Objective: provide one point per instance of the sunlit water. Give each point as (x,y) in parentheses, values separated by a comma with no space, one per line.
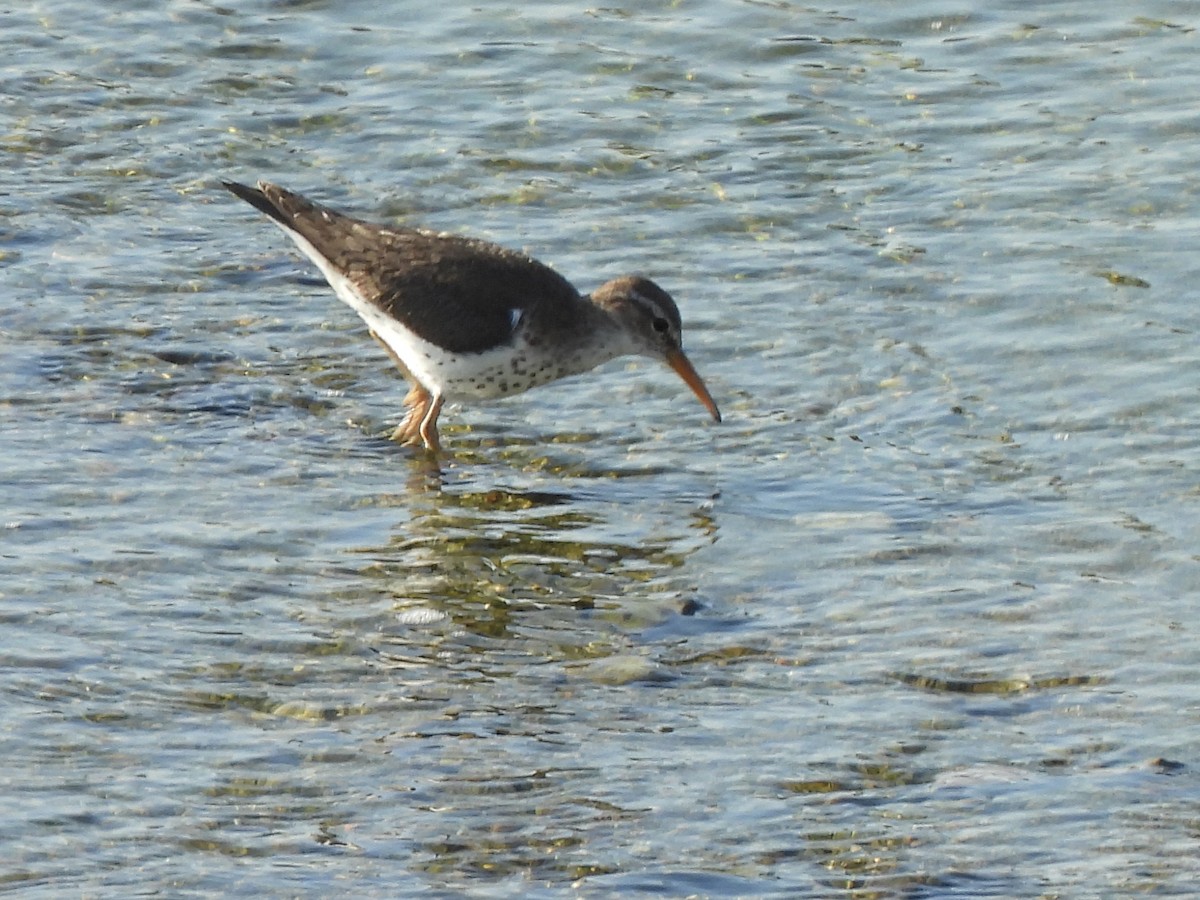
(916,620)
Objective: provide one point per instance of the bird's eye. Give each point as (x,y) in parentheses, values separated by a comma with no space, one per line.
(662,326)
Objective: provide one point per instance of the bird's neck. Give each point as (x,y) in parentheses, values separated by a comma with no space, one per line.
(595,337)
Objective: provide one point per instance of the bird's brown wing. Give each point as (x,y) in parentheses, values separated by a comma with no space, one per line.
(465,295)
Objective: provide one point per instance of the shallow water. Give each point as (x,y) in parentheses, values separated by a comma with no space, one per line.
(915,620)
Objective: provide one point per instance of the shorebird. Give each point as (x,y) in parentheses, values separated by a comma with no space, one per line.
(465,318)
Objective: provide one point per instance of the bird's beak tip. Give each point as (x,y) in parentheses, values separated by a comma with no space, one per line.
(683,367)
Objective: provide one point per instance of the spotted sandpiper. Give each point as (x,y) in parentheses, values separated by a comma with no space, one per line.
(465,318)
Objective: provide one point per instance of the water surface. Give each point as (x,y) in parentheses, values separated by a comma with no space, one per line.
(915,620)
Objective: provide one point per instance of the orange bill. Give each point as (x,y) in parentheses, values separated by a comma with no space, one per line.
(683,366)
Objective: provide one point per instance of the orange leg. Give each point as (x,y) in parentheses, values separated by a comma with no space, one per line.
(429,432)
(419,425)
